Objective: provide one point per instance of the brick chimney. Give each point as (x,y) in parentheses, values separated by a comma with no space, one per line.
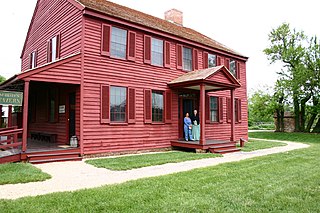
(175,16)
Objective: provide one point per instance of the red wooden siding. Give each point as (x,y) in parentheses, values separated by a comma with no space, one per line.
(99,138)
(68,72)
(50,19)
(220,77)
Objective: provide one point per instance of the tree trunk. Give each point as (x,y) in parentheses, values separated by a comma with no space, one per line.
(314,114)
(296,106)
(311,121)
(278,126)
(316,129)
(282,119)
(303,113)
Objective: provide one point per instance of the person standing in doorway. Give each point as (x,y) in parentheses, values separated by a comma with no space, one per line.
(187,127)
(195,125)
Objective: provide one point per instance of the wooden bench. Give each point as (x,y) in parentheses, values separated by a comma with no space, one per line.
(43,137)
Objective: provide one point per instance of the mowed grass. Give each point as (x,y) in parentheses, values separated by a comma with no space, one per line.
(283,182)
(253,145)
(138,161)
(294,136)
(20,173)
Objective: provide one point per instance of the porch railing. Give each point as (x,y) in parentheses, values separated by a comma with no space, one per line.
(9,138)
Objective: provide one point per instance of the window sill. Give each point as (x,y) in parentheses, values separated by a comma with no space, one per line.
(156,65)
(118,124)
(158,123)
(114,57)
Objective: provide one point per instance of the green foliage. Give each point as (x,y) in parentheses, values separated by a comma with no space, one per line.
(260,107)
(20,173)
(2,79)
(283,182)
(298,84)
(138,161)
(286,136)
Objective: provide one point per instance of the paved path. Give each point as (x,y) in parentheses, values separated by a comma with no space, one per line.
(70,176)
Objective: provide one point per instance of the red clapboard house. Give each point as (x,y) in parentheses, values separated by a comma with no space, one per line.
(121,81)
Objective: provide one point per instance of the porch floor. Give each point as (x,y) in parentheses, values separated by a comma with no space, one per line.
(43,146)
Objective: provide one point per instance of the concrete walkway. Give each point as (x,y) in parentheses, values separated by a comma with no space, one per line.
(71,176)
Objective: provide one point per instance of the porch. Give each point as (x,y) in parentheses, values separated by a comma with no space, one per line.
(43,133)
(193,89)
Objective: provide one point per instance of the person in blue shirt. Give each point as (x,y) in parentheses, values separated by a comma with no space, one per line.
(187,127)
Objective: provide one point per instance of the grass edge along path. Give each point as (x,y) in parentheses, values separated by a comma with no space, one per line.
(12,173)
(253,145)
(138,161)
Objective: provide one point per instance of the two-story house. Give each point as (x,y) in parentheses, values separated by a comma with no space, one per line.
(121,80)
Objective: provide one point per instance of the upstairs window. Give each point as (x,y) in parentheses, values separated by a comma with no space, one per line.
(187,59)
(118,104)
(118,42)
(212,60)
(53,49)
(33,60)
(232,67)
(156,52)
(157,106)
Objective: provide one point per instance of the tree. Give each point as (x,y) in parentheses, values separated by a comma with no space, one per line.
(260,107)
(2,79)
(287,47)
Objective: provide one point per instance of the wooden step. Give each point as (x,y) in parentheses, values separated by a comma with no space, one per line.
(222,146)
(52,154)
(224,151)
(55,160)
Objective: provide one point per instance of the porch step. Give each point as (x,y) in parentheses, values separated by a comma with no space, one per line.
(224,150)
(55,160)
(56,156)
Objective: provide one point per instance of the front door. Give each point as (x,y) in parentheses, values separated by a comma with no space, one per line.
(72,114)
(187,104)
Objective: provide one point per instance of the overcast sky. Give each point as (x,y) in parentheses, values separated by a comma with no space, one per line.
(242,25)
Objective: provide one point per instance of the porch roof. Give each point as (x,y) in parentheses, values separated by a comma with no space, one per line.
(16,82)
(215,78)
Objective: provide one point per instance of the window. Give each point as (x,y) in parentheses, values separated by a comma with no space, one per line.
(53,51)
(118,42)
(118,104)
(187,59)
(156,52)
(33,60)
(214,115)
(54,48)
(53,106)
(212,60)
(157,106)
(232,67)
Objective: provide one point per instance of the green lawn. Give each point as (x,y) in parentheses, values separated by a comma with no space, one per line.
(283,182)
(253,145)
(298,137)
(138,161)
(20,173)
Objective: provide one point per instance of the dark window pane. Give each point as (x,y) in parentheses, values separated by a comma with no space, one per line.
(214,109)
(118,42)
(211,60)
(233,67)
(187,59)
(157,52)
(157,106)
(118,102)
